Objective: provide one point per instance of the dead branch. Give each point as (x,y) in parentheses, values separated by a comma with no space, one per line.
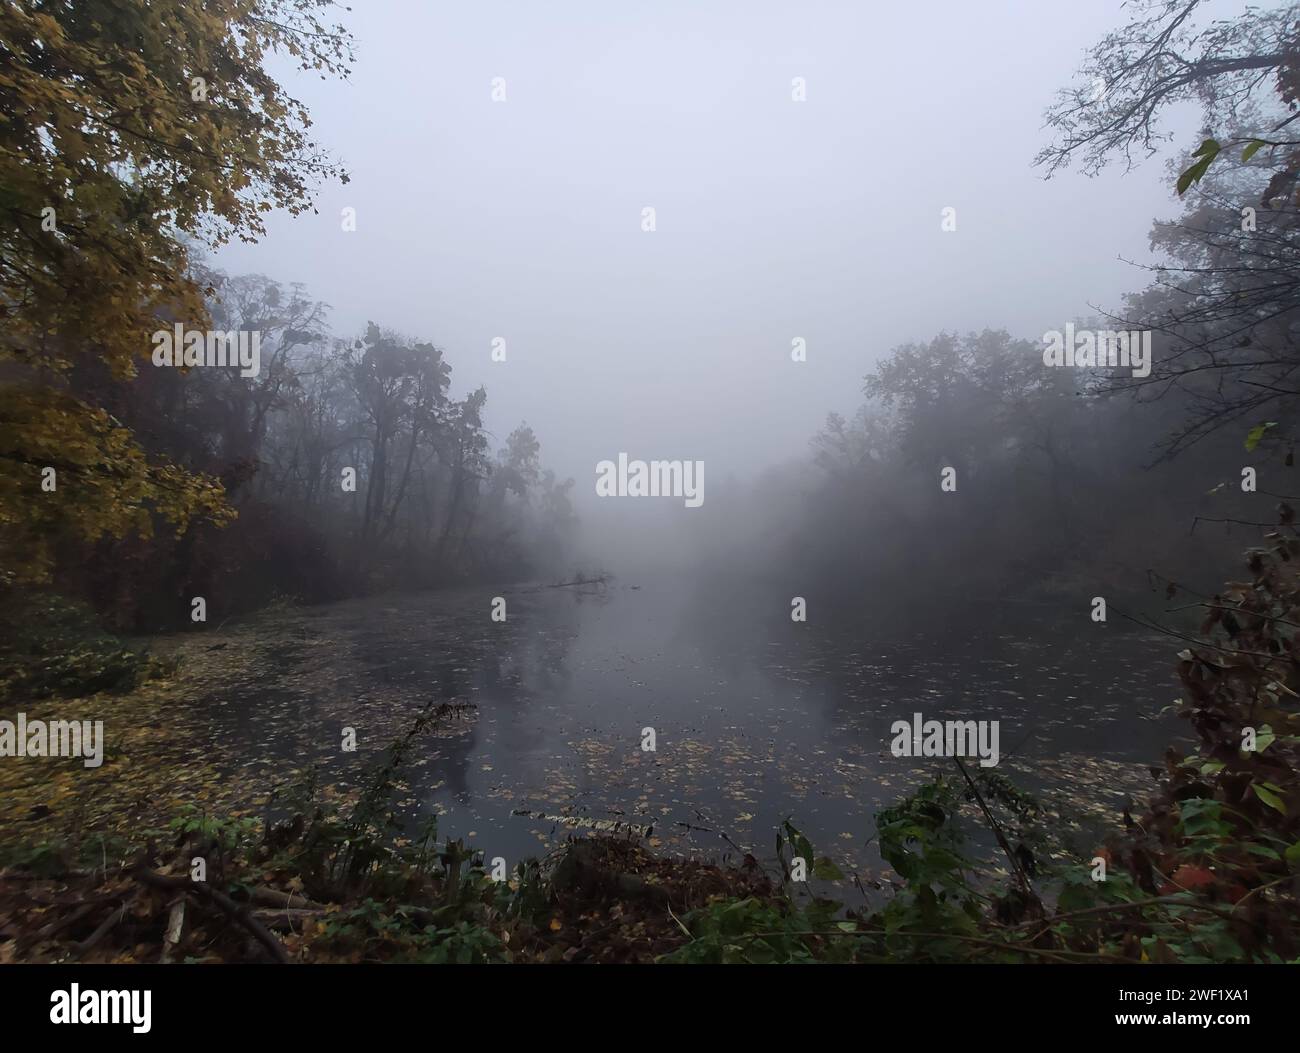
(289,919)
(175,926)
(105,927)
(233,910)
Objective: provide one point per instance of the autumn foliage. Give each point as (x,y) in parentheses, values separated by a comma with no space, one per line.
(128,132)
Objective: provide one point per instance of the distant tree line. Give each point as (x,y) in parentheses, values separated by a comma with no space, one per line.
(347,464)
(1070,481)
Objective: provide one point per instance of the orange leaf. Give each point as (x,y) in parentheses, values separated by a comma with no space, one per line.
(1193,877)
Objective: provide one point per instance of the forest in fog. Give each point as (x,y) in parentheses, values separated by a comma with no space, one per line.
(1070,479)
(626,486)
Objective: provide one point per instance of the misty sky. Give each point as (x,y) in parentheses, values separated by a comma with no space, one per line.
(775,219)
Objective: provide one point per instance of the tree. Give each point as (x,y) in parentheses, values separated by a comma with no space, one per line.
(288,322)
(465,451)
(1225,309)
(1163,56)
(126,130)
(1225,303)
(402,389)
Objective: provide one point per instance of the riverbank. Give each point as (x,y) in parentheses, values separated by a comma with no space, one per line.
(753,723)
(234,754)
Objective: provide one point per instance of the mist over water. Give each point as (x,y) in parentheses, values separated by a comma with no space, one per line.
(775,220)
(757,719)
(497,472)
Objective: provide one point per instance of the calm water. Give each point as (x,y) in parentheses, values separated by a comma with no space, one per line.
(756,718)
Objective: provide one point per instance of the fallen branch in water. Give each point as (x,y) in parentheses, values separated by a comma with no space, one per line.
(612,826)
(581,581)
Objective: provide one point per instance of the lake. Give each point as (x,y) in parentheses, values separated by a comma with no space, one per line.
(755,718)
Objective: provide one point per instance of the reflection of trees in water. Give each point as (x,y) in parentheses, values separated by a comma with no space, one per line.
(593,593)
(450,679)
(451,765)
(550,659)
(533,659)
(841,671)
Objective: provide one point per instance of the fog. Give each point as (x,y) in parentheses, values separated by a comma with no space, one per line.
(674,481)
(775,219)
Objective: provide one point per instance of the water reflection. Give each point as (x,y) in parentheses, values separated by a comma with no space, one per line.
(756,717)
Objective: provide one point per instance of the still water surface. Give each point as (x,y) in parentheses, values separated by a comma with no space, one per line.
(756,718)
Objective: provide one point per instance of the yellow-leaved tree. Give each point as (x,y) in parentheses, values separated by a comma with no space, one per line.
(129,129)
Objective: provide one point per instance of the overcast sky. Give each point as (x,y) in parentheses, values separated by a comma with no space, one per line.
(775,219)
